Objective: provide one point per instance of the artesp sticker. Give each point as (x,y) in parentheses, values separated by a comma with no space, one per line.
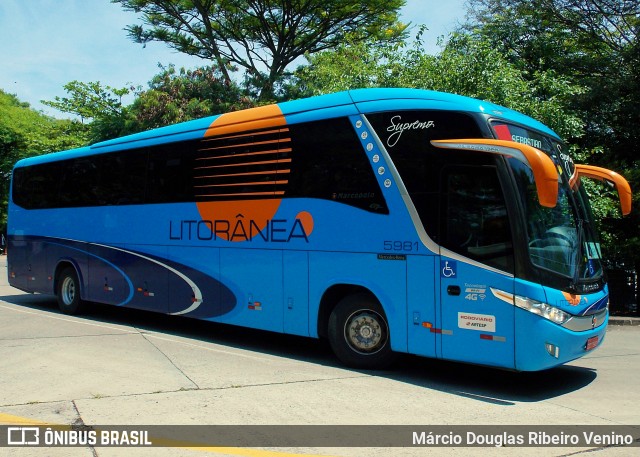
(480,322)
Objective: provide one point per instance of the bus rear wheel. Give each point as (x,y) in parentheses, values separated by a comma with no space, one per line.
(68,292)
(359,333)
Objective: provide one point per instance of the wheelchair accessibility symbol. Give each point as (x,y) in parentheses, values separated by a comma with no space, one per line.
(448,268)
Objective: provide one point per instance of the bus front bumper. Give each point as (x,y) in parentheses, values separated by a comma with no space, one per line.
(542,344)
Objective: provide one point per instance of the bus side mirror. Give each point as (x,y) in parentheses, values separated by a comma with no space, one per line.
(613,179)
(544,170)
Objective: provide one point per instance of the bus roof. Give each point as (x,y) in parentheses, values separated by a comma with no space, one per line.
(331,105)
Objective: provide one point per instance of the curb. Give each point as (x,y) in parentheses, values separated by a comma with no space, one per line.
(621,320)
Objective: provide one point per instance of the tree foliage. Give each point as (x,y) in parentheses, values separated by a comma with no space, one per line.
(572,64)
(25,133)
(90,100)
(466,66)
(180,95)
(549,77)
(592,44)
(263,37)
(173,96)
(100,106)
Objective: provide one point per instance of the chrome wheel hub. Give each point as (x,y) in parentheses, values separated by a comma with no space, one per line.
(364,332)
(68,291)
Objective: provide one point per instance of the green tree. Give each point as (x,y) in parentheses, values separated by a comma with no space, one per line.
(467,66)
(263,37)
(101,107)
(25,133)
(473,65)
(180,95)
(173,96)
(90,101)
(592,44)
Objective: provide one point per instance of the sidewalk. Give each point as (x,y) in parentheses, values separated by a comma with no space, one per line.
(624,320)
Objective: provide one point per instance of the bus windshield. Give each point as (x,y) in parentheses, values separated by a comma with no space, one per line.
(561,239)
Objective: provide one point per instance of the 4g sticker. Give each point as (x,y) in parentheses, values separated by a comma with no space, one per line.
(475,292)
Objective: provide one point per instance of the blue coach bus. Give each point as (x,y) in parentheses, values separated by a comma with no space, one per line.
(386,220)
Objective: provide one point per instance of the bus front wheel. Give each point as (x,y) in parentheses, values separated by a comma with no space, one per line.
(68,292)
(359,333)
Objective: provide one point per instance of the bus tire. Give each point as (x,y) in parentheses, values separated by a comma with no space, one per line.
(359,334)
(68,292)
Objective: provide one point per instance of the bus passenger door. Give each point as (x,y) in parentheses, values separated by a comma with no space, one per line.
(475,265)
(421,300)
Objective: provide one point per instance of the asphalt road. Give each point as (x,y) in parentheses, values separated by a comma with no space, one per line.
(128,367)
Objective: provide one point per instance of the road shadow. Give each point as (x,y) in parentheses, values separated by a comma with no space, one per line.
(484,384)
(492,385)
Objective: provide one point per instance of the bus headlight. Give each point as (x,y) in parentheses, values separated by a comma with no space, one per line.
(549,312)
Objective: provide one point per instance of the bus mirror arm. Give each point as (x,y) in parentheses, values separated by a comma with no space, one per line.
(609,177)
(544,170)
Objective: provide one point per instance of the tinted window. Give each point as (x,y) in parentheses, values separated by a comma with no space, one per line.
(37,187)
(315,160)
(170,173)
(510,132)
(122,178)
(407,135)
(328,162)
(474,220)
(79,183)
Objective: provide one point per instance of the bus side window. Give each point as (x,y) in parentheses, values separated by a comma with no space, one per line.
(122,178)
(37,187)
(329,163)
(78,183)
(474,220)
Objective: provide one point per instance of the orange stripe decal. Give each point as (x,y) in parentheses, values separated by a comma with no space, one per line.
(252,134)
(277,192)
(266,162)
(268,172)
(255,183)
(228,156)
(240,145)
(252,211)
(262,117)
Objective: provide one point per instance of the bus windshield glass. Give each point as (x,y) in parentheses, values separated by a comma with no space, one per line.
(561,239)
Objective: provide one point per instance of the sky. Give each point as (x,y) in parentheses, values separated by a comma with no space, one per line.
(45,44)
